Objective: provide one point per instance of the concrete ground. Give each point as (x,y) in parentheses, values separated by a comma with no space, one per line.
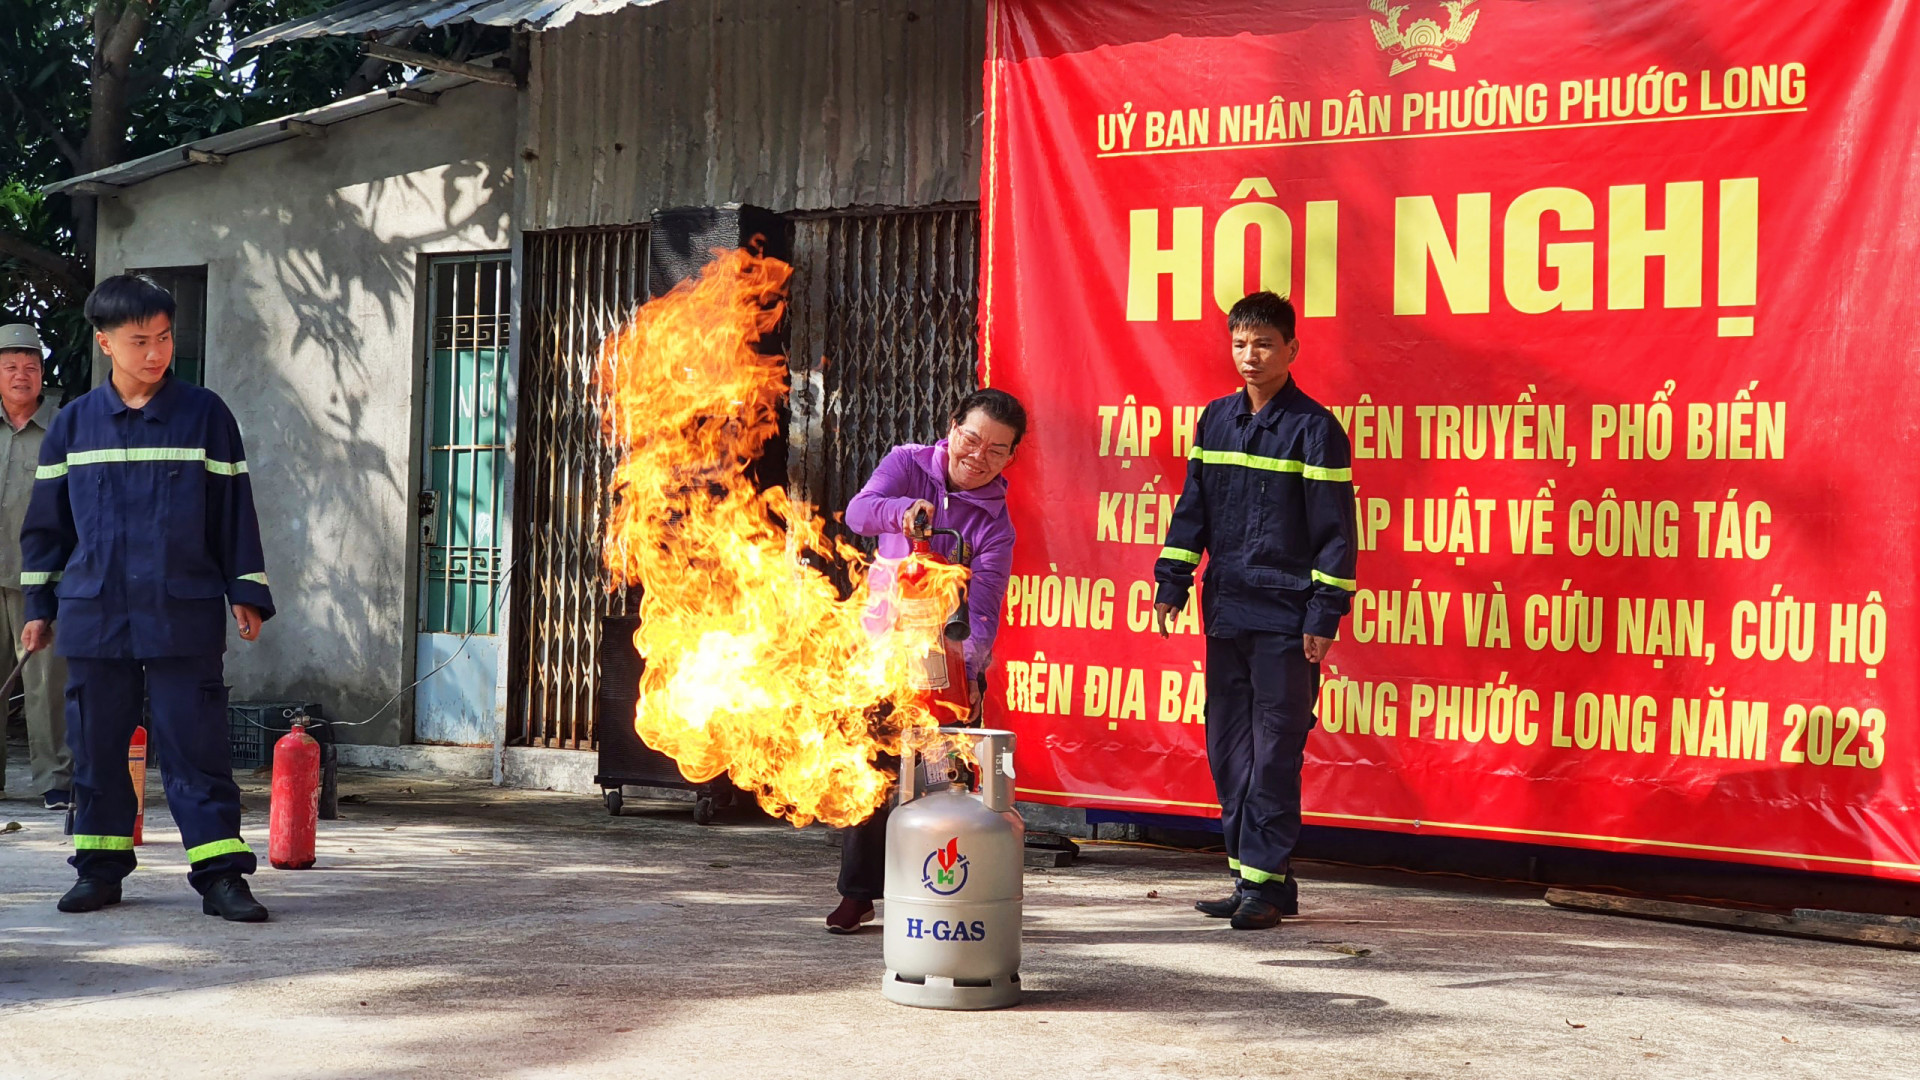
(457,930)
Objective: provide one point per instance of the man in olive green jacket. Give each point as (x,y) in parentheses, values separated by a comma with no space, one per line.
(28,414)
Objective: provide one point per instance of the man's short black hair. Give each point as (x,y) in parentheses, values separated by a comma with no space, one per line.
(999,406)
(1262,309)
(127,298)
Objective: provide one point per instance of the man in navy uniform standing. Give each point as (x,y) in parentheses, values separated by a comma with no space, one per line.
(1269,502)
(139,541)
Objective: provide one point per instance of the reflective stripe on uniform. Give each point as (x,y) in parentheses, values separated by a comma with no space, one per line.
(102,843)
(1337,582)
(1233,863)
(1260,877)
(257,579)
(142,453)
(1182,554)
(39,577)
(1269,464)
(236,846)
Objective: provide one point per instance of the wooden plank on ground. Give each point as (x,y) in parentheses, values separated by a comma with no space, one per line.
(1890,931)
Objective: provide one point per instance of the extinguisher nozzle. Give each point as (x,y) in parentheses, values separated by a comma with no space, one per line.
(959,624)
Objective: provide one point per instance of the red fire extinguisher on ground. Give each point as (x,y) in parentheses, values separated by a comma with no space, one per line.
(294,812)
(137,771)
(945,665)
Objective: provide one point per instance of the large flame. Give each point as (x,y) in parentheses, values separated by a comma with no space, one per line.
(755,665)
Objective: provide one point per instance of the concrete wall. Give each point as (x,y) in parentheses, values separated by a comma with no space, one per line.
(314,249)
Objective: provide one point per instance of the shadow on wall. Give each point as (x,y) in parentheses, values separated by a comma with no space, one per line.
(320,354)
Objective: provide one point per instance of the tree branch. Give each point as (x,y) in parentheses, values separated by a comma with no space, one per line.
(216,11)
(118,35)
(64,271)
(163,51)
(370,72)
(47,127)
(468,40)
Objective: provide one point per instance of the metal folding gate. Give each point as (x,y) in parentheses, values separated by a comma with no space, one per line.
(884,340)
(883,345)
(580,285)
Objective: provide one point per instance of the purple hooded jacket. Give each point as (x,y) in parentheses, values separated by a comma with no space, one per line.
(909,474)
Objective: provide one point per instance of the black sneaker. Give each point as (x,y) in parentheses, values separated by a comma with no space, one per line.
(1255,914)
(1222,908)
(57,799)
(89,894)
(229,898)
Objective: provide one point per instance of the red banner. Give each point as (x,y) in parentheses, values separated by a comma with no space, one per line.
(1617,301)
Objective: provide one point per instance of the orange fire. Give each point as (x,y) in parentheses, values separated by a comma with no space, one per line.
(755,665)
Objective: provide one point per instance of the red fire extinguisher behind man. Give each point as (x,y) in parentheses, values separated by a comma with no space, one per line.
(137,771)
(294,814)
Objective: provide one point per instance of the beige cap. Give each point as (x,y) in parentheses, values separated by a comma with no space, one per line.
(21,336)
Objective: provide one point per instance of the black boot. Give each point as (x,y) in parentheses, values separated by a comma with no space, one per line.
(1289,902)
(1255,914)
(1221,908)
(229,898)
(90,894)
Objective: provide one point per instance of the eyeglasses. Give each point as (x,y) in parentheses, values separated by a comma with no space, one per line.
(970,443)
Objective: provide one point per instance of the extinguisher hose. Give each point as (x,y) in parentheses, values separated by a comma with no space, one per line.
(13,679)
(312,722)
(959,625)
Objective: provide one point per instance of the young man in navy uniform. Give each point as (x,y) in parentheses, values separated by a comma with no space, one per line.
(139,541)
(1269,501)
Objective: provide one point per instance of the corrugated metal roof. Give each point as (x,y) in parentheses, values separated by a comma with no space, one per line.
(128,173)
(813,105)
(381,16)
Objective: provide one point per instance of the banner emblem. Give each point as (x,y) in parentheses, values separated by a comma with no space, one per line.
(1423,39)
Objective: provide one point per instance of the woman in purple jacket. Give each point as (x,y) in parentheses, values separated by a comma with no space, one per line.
(956,482)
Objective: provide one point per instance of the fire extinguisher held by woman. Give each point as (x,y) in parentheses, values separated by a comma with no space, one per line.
(945,495)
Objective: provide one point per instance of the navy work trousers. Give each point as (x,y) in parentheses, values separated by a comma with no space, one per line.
(863,854)
(863,858)
(1260,698)
(189,737)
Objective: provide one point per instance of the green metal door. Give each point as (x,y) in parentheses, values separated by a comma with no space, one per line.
(462,516)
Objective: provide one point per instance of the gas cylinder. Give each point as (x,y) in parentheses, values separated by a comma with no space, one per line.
(137,772)
(294,813)
(955,860)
